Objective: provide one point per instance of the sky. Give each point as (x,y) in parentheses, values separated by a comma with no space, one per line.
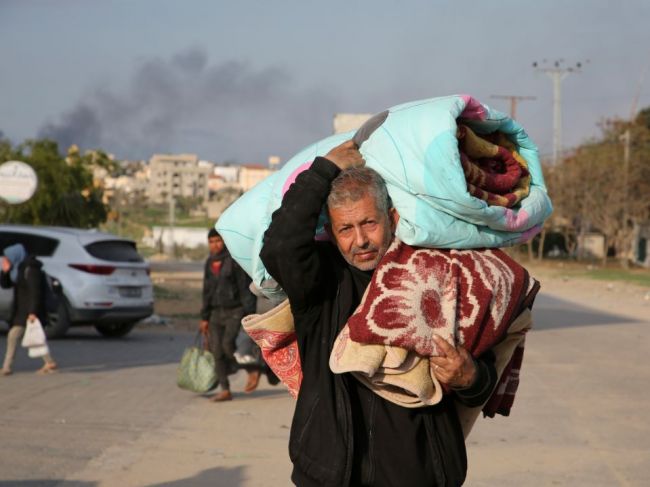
(239,81)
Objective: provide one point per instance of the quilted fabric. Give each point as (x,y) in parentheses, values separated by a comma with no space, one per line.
(416,150)
(495,172)
(465,296)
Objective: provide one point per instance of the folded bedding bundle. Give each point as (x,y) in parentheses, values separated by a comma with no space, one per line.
(462,176)
(495,171)
(473,298)
(447,195)
(480,299)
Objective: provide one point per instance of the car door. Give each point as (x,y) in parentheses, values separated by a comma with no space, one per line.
(38,245)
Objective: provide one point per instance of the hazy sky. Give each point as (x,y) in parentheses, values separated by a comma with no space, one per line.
(241,80)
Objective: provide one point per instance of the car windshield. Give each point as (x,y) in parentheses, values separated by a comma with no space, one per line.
(114,250)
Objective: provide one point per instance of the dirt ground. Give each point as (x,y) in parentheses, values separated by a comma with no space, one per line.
(177,300)
(630,298)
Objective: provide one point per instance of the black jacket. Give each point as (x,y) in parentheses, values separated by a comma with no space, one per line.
(342,434)
(28,291)
(228,289)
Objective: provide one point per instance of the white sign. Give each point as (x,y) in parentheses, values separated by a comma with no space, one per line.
(18,182)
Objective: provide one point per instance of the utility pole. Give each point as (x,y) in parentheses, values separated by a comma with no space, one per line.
(514,99)
(626,138)
(557,73)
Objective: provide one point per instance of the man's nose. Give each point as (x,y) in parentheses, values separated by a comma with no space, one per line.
(360,238)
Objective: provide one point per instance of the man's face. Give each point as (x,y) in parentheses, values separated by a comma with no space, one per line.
(216,245)
(361,232)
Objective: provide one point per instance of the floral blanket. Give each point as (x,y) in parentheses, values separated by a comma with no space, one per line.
(469,297)
(480,299)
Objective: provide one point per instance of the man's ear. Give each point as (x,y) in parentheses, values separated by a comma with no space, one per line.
(393,215)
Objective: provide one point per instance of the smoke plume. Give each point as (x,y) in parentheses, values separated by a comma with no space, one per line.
(229,111)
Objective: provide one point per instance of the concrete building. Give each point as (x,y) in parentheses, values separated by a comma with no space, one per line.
(229,174)
(344,122)
(251,174)
(179,175)
(591,245)
(135,184)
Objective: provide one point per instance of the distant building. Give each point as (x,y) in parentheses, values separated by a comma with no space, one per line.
(127,185)
(591,245)
(345,122)
(228,174)
(251,174)
(215,183)
(177,175)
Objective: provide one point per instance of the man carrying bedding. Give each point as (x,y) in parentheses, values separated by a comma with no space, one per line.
(343,434)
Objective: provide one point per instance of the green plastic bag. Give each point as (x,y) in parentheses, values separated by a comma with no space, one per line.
(196,371)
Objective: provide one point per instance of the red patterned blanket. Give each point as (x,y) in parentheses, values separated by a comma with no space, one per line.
(478,298)
(469,297)
(465,296)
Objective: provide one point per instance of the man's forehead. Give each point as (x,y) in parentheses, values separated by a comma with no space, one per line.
(355,210)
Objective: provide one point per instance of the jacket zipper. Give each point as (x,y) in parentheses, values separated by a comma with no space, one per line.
(371,450)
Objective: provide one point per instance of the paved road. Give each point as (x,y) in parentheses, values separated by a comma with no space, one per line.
(108,392)
(113,417)
(162,266)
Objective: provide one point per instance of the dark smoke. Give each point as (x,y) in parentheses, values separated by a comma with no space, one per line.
(184,104)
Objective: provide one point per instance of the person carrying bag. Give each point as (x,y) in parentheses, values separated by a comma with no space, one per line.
(23,273)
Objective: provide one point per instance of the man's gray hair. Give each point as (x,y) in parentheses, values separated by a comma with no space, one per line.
(354,184)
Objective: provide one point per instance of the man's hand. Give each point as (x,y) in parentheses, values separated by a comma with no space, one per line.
(455,366)
(6,265)
(203,326)
(346,155)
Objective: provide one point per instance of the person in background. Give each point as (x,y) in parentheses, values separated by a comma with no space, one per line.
(23,273)
(226,300)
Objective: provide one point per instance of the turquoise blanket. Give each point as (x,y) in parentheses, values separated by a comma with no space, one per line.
(414,147)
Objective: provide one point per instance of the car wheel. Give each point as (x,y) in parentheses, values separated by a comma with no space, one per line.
(116,330)
(58,322)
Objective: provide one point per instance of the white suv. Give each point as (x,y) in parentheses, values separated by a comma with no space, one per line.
(93,278)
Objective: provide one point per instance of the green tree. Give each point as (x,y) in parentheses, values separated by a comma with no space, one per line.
(595,189)
(65,194)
